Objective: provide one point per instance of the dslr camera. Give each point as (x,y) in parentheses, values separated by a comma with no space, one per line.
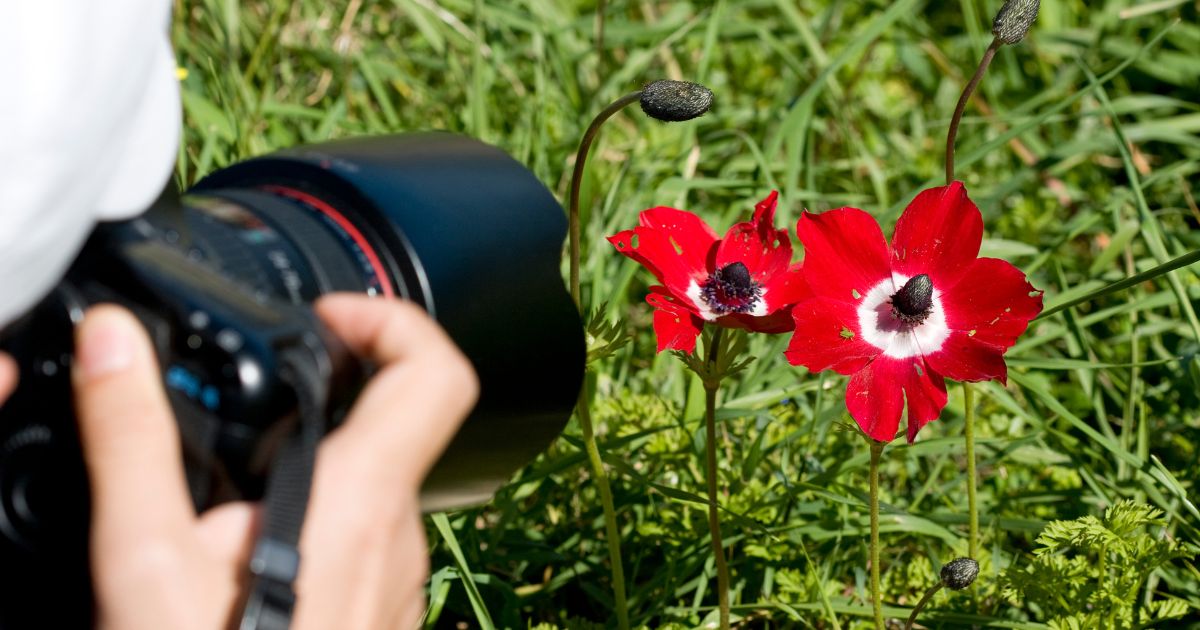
(223,276)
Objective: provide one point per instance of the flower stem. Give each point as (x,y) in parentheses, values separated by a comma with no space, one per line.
(921,604)
(612,535)
(710,457)
(876,598)
(962,105)
(969,437)
(581,156)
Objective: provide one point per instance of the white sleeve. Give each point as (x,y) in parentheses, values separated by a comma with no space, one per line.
(89,128)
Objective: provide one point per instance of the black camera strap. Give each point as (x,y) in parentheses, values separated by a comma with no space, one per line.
(276,559)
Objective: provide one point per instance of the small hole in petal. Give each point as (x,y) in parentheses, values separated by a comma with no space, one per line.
(856,294)
(847,333)
(971,333)
(633,242)
(675,244)
(918,368)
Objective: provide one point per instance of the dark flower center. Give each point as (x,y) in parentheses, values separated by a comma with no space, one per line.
(731,290)
(913,302)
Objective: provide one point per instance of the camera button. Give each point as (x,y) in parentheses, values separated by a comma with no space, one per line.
(229,340)
(198,320)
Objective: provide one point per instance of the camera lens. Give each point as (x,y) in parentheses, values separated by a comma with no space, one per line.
(450,223)
(279,243)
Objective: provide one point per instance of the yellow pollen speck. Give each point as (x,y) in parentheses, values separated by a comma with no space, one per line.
(971,333)
(181,73)
(675,244)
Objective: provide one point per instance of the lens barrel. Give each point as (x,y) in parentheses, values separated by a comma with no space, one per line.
(467,232)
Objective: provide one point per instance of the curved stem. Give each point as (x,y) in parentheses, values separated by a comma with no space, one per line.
(876,598)
(584,413)
(962,105)
(581,156)
(710,458)
(612,534)
(969,437)
(921,605)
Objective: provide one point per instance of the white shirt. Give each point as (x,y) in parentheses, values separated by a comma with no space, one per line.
(89,128)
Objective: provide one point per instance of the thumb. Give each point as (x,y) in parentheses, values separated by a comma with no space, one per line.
(130,442)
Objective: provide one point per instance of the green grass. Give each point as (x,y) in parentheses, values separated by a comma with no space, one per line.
(1083,164)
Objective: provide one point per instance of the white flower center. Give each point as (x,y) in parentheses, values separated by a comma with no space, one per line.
(899,340)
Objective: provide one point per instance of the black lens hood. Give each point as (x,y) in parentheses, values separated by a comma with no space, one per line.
(471,235)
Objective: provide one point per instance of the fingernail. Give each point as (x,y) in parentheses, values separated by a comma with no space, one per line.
(106,344)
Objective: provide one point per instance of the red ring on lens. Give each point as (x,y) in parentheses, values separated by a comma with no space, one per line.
(385,284)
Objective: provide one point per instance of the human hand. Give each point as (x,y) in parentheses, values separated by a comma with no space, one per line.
(156,564)
(8,377)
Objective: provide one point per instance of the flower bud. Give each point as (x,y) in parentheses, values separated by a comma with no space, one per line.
(1014,19)
(959,573)
(674,101)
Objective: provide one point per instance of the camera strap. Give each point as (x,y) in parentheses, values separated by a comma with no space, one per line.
(276,559)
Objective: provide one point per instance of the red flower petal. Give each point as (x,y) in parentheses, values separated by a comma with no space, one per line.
(827,336)
(877,394)
(675,327)
(987,310)
(938,234)
(757,244)
(845,254)
(925,393)
(687,233)
(786,288)
(964,358)
(655,250)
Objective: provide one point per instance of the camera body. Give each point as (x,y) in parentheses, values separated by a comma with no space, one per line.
(223,279)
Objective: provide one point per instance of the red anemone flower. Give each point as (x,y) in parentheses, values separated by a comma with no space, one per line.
(898,319)
(745,280)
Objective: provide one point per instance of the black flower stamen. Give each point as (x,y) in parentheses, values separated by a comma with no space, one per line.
(731,289)
(914,301)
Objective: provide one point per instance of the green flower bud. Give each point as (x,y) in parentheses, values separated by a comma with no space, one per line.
(959,573)
(675,101)
(1014,19)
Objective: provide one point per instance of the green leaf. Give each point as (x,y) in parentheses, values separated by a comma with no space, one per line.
(464,572)
(1134,280)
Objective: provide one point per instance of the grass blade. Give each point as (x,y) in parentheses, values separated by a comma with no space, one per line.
(464,572)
